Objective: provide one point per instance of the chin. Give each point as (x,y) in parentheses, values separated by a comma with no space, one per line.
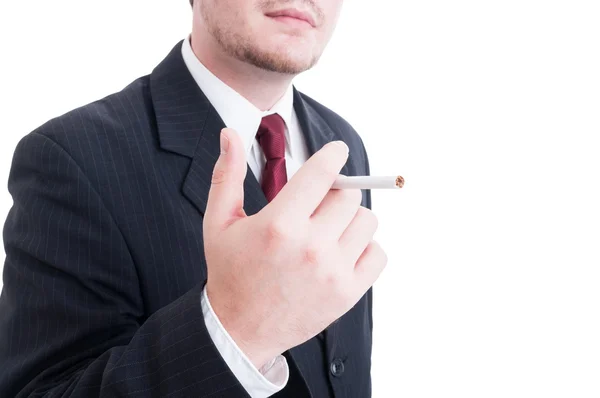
(294,64)
(293,55)
(288,56)
(282,65)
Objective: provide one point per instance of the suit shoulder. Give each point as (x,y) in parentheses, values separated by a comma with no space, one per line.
(335,121)
(107,139)
(340,126)
(104,119)
(345,131)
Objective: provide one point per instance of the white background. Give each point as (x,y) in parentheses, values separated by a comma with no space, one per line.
(489,109)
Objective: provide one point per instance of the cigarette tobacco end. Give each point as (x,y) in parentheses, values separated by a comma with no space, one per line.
(399,181)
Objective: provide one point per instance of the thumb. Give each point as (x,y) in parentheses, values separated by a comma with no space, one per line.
(226,196)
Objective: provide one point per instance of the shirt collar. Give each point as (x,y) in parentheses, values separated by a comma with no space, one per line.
(235,110)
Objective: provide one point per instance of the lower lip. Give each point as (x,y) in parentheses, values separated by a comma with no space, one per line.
(292,21)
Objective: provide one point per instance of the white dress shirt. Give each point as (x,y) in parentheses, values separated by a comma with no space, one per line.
(241,115)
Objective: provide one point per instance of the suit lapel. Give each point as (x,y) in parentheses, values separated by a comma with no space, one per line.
(188,125)
(315,129)
(198,181)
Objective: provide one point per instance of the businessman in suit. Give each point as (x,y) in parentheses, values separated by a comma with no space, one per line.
(181,237)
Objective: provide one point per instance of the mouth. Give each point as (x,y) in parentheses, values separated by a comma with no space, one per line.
(293,16)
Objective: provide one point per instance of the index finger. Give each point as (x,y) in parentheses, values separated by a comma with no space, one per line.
(308,186)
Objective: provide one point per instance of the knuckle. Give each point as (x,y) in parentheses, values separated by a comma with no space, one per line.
(334,285)
(314,254)
(369,217)
(374,220)
(218,176)
(376,247)
(277,230)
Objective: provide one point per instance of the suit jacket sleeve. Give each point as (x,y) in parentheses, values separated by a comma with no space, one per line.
(72,319)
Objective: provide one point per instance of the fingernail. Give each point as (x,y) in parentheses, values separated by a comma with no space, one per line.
(224,143)
(342,144)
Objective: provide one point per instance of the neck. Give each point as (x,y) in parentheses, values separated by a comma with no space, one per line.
(260,87)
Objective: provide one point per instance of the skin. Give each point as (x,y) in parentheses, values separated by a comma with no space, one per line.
(312,255)
(254,54)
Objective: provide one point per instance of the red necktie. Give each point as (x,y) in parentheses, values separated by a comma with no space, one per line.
(271,137)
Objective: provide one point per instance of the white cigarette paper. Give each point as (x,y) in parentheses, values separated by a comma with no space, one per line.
(368,182)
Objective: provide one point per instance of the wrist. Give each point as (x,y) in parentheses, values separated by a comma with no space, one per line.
(244,328)
(258,354)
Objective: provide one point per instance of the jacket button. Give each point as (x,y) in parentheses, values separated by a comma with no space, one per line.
(337,367)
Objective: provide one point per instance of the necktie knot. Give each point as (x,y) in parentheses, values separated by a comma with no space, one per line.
(271,136)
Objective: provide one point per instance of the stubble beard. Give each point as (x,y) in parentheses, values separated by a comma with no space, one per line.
(239,47)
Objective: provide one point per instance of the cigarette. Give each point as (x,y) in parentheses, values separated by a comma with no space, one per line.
(368,182)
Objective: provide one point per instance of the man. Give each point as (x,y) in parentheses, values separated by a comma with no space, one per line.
(151,251)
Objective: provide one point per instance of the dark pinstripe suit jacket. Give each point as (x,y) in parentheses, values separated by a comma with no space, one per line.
(104,251)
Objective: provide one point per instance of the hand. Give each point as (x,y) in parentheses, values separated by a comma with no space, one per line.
(281,276)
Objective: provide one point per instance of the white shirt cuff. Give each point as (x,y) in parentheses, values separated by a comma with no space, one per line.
(270,379)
